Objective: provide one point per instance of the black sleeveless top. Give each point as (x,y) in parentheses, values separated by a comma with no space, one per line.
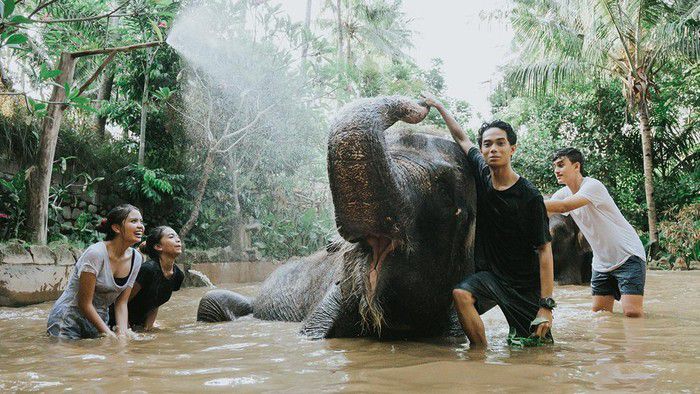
(122,281)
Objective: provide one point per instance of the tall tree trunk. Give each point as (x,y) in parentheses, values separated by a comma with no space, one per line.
(144,114)
(340,30)
(645,128)
(307,32)
(103,96)
(105,92)
(40,177)
(201,189)
(238,234)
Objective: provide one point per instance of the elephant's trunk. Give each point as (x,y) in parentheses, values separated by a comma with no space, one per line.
(363,177)
(368,194)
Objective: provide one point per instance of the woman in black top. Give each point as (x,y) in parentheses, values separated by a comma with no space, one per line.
(158,277)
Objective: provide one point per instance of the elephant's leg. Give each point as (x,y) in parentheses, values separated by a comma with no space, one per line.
(223,305)
(333,317)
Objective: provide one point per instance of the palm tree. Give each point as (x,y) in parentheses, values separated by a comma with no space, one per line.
(375,28)
(629,40)
(378,28)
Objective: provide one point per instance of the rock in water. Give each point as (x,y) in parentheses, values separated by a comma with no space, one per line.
(194,278)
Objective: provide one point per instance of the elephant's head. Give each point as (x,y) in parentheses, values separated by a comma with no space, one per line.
(571,251)
(407,199)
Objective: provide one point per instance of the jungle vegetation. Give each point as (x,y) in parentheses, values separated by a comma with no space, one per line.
(93,101)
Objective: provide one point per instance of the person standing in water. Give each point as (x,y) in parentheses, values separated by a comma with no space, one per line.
(619,259)
(103,275)
(513,250)
(157,279)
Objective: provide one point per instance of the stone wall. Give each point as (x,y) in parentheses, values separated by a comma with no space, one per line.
(34,274)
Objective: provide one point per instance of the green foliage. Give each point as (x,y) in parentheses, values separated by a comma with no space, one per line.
(295,215)
(13,203)
(279,178)
(83,232)
(145,184)
(679,237)
(10,25)
(590,115)
(286,234)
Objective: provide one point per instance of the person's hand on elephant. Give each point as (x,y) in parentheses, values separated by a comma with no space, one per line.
(544,328)
(430,100)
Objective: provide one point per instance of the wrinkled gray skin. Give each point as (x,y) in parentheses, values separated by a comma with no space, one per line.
(572,253)
(405,209)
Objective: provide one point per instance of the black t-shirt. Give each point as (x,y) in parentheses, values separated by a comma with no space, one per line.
(510,225)
(155,291)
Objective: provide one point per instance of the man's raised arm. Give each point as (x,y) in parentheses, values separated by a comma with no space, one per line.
(458,134)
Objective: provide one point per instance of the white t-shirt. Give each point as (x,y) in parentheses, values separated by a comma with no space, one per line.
(612,238)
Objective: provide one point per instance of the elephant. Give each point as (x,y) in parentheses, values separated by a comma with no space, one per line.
(571,251)
(405,212)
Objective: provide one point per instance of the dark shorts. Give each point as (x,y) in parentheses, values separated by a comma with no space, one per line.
(520,306)
(629,278)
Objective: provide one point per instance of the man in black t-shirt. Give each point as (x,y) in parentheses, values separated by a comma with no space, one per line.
(513,252)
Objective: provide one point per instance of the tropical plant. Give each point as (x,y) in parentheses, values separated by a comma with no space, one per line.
(628,40)
(680,237)
(147,185)
(13,198)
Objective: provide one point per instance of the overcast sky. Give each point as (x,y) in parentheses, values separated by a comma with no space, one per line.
(472,48)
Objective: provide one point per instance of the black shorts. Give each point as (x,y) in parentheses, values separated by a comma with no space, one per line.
(520,306)
(629,278)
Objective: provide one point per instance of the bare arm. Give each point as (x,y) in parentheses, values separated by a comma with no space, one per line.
(135,290)
(546,270)
(86,291)
(150,319)
(121,311)
(546,285)
(458,134)
(568,204)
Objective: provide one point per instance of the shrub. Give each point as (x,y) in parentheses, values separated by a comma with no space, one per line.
(680,238)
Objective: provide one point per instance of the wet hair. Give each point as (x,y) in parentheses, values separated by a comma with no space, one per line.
(499,124)
(154,237)
(574,155)
(117,215)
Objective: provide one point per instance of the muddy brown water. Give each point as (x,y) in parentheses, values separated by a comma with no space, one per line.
(593,351)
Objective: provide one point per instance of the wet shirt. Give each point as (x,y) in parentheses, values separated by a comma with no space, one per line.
(155,291)
(65,318)
(611,236)
(510,225)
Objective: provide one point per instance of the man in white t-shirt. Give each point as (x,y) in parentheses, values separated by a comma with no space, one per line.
(619,259)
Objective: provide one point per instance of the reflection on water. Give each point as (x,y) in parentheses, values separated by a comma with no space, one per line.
(594,351)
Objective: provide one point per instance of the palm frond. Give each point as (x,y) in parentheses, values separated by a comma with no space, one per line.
(538,78)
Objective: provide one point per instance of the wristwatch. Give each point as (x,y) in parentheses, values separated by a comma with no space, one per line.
(548,303)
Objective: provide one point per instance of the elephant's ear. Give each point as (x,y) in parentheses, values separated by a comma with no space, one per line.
(583,245)
(464,196)
(463,242)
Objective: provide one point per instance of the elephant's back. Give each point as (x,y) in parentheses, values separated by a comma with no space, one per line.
(292,290)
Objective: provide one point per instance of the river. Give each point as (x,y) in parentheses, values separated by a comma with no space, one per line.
(593,351)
